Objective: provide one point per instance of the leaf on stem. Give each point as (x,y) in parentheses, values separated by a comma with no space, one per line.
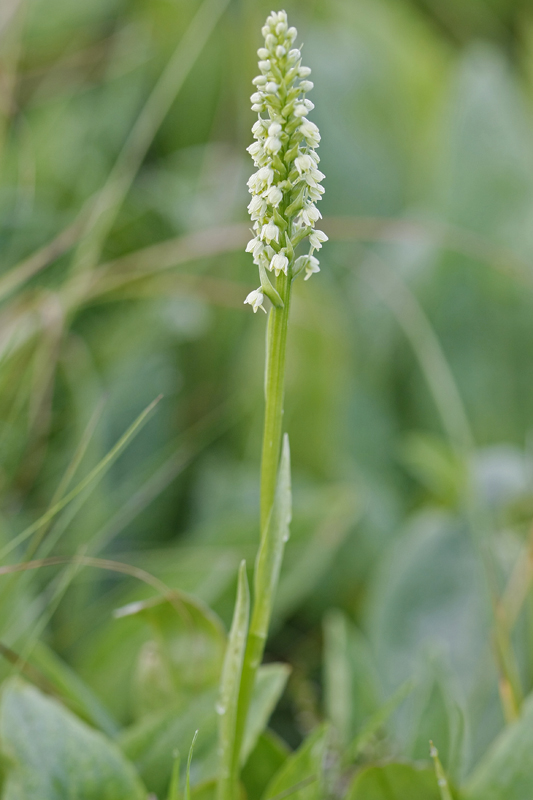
(229,690)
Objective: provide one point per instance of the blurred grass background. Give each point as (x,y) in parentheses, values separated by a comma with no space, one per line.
(122,225)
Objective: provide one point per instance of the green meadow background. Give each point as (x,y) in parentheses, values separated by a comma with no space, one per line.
(410,367)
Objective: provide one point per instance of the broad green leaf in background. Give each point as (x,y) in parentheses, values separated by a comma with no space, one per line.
(436,465)
(270,682)
(73,689)
(304,767)
(350,686)
(151,742)
(395,782)
(506,770)
(265,760)
(376,722)
(428,603)
(186,656)
(52,755)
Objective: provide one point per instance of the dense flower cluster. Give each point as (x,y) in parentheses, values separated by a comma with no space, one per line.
(286,185)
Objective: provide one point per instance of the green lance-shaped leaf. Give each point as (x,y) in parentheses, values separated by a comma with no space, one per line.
(229,691)
(506,770)
(52,755)
(394,782)
(270,682)
(266,576)
(189,762)
(442,780)
(173,789)
(301,776)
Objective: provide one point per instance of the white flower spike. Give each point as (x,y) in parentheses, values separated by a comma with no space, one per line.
(287,182)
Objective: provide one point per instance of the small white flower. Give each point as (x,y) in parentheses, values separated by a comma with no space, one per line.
(274,196)
(280,51)
(261,179)
(257,97)
(311,132)
(255,246)
(270,232)
(294,55)
(257,207)
(271,87)
(263,53)
(308,104)
(306,86)
(300,110)
(272,145)
(255,299)
(310,214)
(274,129)
(311,267)
(279,263)
(255,149)
(316,192)
(258,128)
(314,177)
(316,238)
(303,163)
(304,72)
(258,107)
(260,80)
(264,66)
(292,33)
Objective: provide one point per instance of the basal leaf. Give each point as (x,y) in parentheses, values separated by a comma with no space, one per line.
(186,654)
(351,690)
(506,770)
(302,773)
(52,755)
(265,760)
(270,682)
(151,742)
(394,782)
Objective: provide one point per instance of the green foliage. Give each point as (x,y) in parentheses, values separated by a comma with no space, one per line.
(394,782)
(123,129)
(302,773)
(505,771)
(52,755)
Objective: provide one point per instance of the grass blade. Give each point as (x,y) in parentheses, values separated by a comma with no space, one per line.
(98,470)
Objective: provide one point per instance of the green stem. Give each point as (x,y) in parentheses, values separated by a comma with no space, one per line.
(274,393)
